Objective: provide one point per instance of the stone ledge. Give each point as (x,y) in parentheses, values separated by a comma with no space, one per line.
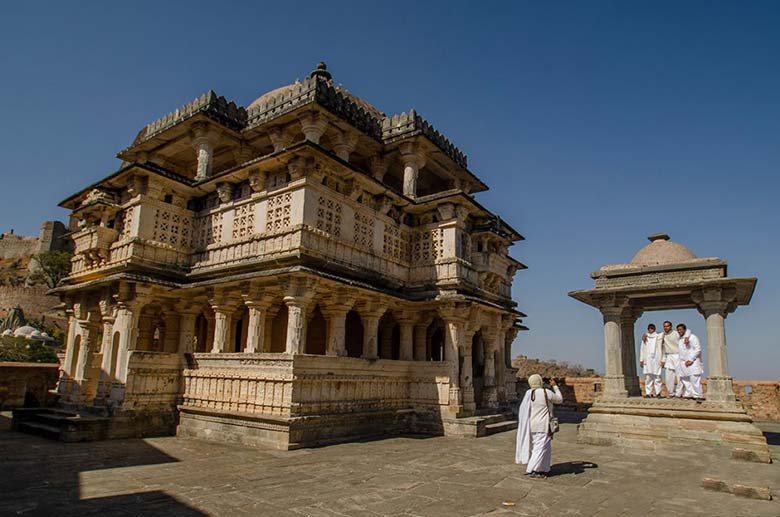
(752,492)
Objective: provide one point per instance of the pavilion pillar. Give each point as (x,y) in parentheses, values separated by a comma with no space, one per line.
(614,378)
(627,321)
(126,323)
(715,304)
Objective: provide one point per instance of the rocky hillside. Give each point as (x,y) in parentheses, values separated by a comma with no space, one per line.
(558,369)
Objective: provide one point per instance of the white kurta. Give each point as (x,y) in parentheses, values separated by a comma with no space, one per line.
(535,448)
(690,352)
(650,354)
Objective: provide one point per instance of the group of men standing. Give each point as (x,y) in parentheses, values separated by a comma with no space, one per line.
(678,353)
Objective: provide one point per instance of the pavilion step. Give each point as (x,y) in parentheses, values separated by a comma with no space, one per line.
(500,427)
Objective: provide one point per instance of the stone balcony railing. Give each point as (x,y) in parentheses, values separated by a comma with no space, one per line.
(91,247)
(300,218)
(289,386)
(153,380)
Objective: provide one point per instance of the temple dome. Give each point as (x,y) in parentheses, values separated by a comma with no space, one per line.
(662,251)
(321,71)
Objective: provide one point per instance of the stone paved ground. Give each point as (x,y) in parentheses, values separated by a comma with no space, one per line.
(400,476)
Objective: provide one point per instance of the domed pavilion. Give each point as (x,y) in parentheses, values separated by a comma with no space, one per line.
(666,275)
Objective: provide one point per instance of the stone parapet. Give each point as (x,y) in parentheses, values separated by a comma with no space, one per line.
(760,399)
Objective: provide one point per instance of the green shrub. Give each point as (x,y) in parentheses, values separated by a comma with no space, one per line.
(20,350)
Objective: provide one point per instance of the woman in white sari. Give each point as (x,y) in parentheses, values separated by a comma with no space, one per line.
(534,439)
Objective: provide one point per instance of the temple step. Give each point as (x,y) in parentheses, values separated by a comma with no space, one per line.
(480,425)
(61,425)
(500,427)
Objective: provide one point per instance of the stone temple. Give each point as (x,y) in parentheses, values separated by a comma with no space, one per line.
(300,271)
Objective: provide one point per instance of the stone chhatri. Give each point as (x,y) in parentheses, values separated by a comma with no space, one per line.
(302,271)
(664,275)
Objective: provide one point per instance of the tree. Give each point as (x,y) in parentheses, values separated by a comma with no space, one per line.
(52,266)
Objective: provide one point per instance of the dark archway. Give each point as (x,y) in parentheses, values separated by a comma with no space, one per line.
(389,337)
(316,333)
(279,331)
(354,334)
(435,342)
(478,367)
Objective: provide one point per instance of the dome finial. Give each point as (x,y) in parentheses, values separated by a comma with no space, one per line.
(321,71)
(658,237)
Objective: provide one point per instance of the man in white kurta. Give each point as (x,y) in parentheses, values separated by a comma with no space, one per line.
(690,366)
(534,440)
(670,350)
(650,355)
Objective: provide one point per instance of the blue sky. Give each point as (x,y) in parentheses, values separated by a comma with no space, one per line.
(581,116)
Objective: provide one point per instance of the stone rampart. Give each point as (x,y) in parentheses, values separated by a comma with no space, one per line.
(761,399)
(26,384)
(33,300)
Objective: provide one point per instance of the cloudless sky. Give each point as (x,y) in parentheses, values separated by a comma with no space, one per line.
(594,123)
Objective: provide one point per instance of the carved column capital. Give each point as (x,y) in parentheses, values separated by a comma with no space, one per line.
(715,300)
(313,125)
(279,138)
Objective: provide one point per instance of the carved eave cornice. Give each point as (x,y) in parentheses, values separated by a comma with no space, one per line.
(209,106)
(117,181)
(667,295)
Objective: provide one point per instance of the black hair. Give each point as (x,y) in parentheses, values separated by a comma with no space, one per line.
(682,325)
(651,325)
(667,321)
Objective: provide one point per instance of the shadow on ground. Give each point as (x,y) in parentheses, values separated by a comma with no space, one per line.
(32,484)
(571,467)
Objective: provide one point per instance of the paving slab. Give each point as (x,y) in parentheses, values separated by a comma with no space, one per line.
(412,477)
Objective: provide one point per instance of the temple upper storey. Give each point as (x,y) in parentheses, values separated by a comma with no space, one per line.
(212,135)
(308,175)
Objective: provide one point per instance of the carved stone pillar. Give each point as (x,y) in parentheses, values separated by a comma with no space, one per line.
(467,375)
(420,341)
(223,316)
(627,321)
(256,331)
(296,324)
(203,140)
(406,349)
(313,125)
(715,304)
(614,378)
(413,160)
(454,342)
(370,331)
(337,328)
(187,331)
(106,348)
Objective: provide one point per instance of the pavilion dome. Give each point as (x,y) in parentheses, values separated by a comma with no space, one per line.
(662,251)
(320,71)
(25,331)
